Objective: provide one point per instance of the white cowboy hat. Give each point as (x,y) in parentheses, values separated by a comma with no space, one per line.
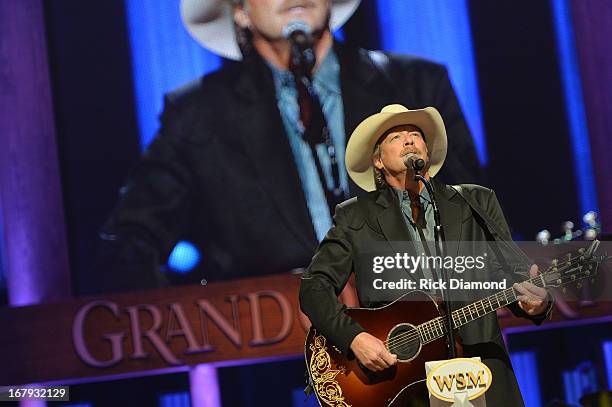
(211,23)
(360,147)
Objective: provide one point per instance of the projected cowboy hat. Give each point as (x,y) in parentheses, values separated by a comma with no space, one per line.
(211,23)
(360,147)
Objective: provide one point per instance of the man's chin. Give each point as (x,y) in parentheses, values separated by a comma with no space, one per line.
(317,20)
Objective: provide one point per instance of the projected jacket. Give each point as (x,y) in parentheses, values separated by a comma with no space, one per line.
(220,172)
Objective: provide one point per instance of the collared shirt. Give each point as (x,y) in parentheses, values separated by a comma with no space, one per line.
(421,230)
(425,216)
(326,81)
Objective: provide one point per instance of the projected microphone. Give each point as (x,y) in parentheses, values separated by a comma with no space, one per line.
(413,161)
(298,33)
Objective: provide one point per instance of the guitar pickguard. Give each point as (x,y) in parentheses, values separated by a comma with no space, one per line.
(324,376)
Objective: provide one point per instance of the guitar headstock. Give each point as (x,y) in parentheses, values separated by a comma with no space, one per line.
(590,231)
(575,267)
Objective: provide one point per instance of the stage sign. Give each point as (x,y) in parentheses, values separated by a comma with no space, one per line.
(152,330)
(118,335)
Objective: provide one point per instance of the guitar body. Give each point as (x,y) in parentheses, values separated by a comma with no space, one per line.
(413,329)
(341,382)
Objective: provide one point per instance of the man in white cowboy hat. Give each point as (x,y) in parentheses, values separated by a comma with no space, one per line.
(398,209)
(231,170)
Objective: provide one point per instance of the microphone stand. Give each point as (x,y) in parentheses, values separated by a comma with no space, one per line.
(302,55)
(440,242)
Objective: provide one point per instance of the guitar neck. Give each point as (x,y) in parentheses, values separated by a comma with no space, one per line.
(436,328)
(490,304)
(580,266)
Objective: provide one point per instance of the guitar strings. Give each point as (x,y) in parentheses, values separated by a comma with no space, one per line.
(432,327)
(431,330)
(435,329)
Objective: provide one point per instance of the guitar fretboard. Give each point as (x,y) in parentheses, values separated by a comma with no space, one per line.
(575,268)
(436,328)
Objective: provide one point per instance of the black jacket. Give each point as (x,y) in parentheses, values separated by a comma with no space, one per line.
(221,173)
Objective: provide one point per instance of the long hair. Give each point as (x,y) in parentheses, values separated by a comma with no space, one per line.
(244,37)
(379,177)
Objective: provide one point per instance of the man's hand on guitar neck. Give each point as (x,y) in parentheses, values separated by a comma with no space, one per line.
(532,299)
(372,352)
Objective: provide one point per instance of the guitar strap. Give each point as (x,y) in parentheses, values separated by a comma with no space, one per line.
(490,226)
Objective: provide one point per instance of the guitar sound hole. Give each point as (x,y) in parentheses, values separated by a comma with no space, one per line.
(404,341)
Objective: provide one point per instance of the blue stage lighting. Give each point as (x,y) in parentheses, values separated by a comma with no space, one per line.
(164,57)
(439,30)
(574,105)
(526,369)
(175,400)
(339,34)
(184,257)
(579,381)
(607,351)
(301,400)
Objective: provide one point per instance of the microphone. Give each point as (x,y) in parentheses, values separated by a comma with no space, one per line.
(413,161)
(299,35)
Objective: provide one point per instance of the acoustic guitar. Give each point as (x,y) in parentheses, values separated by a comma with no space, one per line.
(339,381)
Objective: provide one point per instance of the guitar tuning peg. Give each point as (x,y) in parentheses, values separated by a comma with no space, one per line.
(579,285)
(554,262)
(568,233)
(590,218)
(590,234)
(543,237)
(581,250)
(564,290)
